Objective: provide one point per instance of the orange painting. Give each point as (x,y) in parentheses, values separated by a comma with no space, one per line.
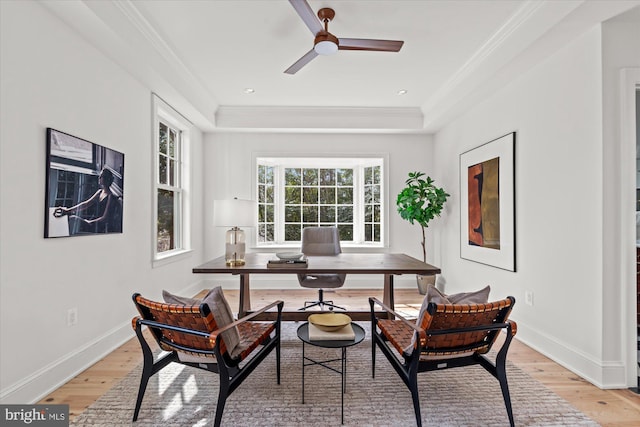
(484,204)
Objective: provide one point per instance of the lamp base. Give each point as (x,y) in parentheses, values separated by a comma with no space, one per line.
(234,247)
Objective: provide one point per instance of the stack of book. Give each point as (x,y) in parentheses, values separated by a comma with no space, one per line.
(345,333)
(285,263)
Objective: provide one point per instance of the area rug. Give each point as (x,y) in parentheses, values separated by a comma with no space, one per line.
(183,396)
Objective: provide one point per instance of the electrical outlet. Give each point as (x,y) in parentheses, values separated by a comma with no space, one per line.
(528,298)
(72,316)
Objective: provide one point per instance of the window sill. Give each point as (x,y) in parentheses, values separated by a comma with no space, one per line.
(172,256)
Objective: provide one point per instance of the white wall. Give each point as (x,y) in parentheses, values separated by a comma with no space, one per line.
(53,78)
(621,50)
(556,110)
(228,174)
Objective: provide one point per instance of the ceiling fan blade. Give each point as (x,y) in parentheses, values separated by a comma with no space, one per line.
(370,44)
(308,15)
(301,62)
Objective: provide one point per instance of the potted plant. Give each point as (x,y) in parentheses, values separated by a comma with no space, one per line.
(420,202)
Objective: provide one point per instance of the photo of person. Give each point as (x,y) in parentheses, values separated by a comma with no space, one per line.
(84,187)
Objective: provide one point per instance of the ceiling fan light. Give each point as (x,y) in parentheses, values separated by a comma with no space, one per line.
(326,48)
(325,43)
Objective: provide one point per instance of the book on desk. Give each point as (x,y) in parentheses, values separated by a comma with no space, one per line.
(343,334)
(284,263)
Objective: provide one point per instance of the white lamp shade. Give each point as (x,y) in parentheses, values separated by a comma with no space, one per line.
(235,213)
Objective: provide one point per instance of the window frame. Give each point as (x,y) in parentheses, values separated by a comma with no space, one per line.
(356,162)
(163,112)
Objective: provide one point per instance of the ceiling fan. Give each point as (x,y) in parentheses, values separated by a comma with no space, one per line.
(326,43)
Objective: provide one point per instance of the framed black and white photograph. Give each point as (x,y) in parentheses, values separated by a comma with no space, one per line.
(487,203)
(84,187)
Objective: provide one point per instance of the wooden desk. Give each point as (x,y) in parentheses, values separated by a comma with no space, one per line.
(347,263)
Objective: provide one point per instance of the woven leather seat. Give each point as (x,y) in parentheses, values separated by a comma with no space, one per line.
(192,337)
(447,336)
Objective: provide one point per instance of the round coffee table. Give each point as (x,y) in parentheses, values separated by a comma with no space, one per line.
(303,334)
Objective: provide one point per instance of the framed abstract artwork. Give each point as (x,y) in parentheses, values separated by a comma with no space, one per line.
(84,187)
(487,203)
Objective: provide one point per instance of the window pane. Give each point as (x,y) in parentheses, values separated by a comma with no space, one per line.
(162,170)
(292,195)
(172,143)
(310,177)
(310,213)
(345,195)
(292,176)
(269,194)
(376,213)
(327,213)
(327,177)
(368,175)
(261,196)
(346,232)
(292,232)
(368,213)
(368,233)
(269,215)
(310,195)
(172,173)
(376,232)
(327,195)
(368,194)
(345,176)
(345,214)
(270,233)
(268,175)
(376,193)
(165,236)
(261,210)
(162,143)
(376,174)
(292,214)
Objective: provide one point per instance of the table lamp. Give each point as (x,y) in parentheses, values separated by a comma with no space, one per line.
(234,213)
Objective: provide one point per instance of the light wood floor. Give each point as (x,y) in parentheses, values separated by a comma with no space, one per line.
(611,408)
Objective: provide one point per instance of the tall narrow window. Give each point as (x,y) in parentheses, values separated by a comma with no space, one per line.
(171,236)
(294,193)
(372,204)
(266,204)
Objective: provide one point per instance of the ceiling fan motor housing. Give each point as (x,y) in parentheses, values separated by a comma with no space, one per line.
(325,43)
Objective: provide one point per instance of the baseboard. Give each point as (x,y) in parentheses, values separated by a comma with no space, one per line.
(602,374)
(52,376)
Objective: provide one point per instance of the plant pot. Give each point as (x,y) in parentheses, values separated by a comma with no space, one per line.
(424,282)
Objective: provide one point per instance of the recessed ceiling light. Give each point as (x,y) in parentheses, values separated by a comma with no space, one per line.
(402,92)
(249,90)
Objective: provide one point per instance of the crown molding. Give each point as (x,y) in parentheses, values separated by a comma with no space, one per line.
(341,119)
(531,21)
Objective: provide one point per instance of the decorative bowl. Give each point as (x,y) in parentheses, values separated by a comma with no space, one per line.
(289,256)
(330,322)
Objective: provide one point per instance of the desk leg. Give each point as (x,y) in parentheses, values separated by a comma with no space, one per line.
(387,297)
(245,296)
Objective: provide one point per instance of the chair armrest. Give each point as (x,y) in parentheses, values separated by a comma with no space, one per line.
(248,317)
(422,335)
(134,322)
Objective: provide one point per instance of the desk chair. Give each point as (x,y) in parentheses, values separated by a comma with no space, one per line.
(321,241)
